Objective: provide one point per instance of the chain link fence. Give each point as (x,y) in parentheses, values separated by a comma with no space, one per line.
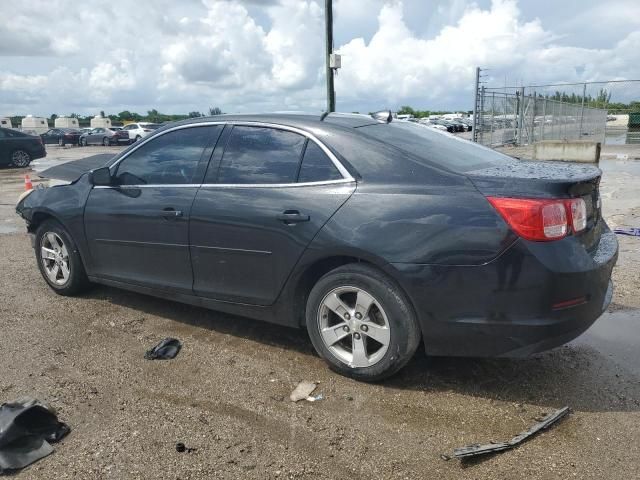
(580,111)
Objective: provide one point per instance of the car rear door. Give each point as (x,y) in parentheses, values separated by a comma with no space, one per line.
(252,219)
(137,229)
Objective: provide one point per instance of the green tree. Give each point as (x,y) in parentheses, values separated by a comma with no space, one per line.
(215,111)
(195,114)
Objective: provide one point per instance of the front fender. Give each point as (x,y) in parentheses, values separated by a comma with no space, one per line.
(65,204)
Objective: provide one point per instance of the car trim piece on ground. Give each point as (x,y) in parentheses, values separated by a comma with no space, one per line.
(343,171)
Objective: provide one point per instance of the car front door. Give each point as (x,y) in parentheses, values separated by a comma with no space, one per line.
(137,229)
(252,219)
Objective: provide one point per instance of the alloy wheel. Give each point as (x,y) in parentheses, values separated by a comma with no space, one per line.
(55,258)
(20,158)
(354,326)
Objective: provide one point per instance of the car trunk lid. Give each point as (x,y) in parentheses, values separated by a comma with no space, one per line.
(546,180)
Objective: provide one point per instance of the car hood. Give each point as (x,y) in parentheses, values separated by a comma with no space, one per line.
(71,171)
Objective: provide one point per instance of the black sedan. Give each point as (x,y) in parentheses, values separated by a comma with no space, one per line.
(17,149)
(61,136)
(375,236)
(105,137)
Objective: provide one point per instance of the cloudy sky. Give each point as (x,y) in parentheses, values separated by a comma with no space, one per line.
(64,56)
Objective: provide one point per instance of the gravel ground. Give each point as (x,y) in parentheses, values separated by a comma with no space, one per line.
(226,394)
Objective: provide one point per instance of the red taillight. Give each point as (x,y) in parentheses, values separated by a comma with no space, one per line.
(542,219)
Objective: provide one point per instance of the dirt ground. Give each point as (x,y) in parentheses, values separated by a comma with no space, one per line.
(226,394)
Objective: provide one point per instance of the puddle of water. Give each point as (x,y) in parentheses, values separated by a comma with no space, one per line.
(621,136)
(616,335)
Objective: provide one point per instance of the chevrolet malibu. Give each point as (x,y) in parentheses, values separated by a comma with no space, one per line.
(377,236)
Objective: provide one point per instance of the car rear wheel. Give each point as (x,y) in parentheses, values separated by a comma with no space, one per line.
(20,158)
(59,260)
(138,138)
(61,142)
(361,323)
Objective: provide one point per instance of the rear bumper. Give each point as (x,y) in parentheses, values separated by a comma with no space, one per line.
(506,307)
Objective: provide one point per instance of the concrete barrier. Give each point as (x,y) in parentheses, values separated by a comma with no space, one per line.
(565,151)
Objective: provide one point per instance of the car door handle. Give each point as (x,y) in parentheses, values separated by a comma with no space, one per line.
(291,217)
(170,213)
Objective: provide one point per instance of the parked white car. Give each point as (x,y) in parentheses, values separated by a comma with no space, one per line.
(139,130)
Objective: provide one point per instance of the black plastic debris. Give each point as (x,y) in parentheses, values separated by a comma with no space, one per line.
(27,428)
(477,449)
(165,350)
(181,448)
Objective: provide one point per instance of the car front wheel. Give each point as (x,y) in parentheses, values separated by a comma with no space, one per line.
(361,323)
(20,158)
(59,260)
(106,142)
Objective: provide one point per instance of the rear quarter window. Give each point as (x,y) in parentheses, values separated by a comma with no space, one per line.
(436,147)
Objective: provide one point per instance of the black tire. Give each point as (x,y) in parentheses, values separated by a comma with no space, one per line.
(61,142)
(138,138)
(106,142)
(404,331)
(20,158)
(77,280)
(82,142)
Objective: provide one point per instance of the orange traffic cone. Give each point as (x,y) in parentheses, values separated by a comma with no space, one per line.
(27,183)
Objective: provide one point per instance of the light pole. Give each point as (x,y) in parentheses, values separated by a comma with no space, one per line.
(328,18)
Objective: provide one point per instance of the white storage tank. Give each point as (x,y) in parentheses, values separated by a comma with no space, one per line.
(66,122)
(100,122)
(5,122)
(34,124)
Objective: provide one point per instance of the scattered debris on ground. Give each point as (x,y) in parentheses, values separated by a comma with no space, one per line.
(165,350)
(181,448)
(303,391)
(27,429)
(477,449)
(631,231)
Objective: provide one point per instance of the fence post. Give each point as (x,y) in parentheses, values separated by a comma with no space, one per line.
(584,93)
(544,118)
(481,113)
(474,127)
(520,116)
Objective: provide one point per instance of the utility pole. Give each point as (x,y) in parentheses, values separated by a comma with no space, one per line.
(328,18)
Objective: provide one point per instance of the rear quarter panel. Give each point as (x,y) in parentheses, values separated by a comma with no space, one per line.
(437,225)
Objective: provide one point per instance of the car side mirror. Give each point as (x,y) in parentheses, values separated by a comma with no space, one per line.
(100,177)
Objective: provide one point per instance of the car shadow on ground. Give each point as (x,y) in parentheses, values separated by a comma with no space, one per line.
(577,376)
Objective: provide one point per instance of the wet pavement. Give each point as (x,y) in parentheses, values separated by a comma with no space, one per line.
(616,335)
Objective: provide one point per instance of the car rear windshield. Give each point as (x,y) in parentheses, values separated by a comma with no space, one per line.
(436,146)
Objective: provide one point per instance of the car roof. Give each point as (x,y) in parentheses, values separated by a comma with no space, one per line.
(299,120)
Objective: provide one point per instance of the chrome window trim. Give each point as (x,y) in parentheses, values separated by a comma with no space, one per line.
(346,176)
(232,185)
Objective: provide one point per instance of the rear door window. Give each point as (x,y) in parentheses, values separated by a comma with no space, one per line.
(169,159)
(317,166)
(260,155)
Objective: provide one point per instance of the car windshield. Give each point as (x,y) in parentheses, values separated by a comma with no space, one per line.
(436,147)
(151,126)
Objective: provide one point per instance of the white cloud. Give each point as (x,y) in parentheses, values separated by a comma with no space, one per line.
(269,55)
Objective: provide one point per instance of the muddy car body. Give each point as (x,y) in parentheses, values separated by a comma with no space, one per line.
(374,235)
